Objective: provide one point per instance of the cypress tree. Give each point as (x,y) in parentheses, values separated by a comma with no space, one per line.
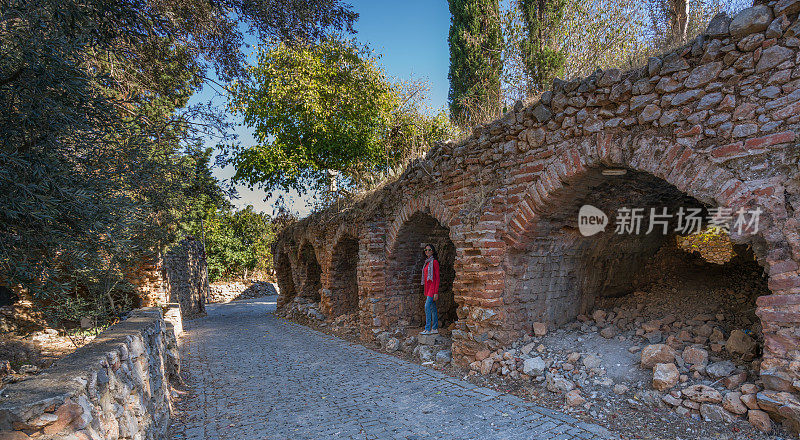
(542,61)
(476,45)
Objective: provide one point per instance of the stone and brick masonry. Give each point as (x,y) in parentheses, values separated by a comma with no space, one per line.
(222,292)
(181,277)
(714,123)
(116,387)
(187,276)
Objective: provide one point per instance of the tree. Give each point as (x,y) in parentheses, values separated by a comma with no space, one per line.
(94,131)
(325,117)
(671,22)
(202,194)
(65,219)
(601,34)
(476,45)
(592,34)
(413,128)
(541,56)
(237,243)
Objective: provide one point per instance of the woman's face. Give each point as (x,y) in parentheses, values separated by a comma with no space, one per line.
(428,251)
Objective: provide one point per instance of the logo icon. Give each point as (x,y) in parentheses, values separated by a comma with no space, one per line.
(591,220)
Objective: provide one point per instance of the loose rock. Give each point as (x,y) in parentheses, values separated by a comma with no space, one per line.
(609,332)
(702,394)
(392,345)
(574,398)
(591,361)
(740,343)
(716,413)
(539,329)
(760,420)
(733,403)
(695,355)
(720,369)
(533,366)
(558,384)
(657,354)
(665,376)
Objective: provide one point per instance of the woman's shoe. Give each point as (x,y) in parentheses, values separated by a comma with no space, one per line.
(425,332)
(433,332)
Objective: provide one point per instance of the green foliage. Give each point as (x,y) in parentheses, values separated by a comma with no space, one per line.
(238,243)
(98,157)
(543,60)
(69,159)
(313,108)
(202,193)
(327,119)
(476,45)
(413,129)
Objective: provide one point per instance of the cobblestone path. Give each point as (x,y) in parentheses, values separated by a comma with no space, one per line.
(254,376)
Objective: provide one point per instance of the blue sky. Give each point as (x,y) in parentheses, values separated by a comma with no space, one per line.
(410,36)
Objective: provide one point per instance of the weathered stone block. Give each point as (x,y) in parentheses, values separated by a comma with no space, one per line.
(750,20)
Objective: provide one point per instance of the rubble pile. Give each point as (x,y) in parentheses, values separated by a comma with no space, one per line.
(690,342)
(303,308)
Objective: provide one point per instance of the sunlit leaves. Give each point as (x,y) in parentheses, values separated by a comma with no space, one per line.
(313,108)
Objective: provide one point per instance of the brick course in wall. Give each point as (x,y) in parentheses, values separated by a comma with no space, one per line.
(713,124)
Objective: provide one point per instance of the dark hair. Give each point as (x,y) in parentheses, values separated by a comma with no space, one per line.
(433,248)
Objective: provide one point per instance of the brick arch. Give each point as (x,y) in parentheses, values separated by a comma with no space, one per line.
(691,172)
(687,170)
(305,241)
(695,175)
(427,205)
(429,221)
(310,276)
(350,229)
(713,127)
(341,293)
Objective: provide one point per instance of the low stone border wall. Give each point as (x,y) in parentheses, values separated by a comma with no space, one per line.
(115,387)
(226,292)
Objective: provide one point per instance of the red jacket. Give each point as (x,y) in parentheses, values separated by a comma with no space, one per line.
(431,286)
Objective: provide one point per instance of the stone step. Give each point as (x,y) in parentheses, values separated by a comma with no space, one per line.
(433,340)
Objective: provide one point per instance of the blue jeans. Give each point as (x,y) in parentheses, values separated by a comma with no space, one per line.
(431,314)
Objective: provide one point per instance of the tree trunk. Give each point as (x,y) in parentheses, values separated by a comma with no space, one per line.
(680,9)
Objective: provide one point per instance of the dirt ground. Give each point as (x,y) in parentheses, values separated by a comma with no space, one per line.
(678,294)
(23,356)
(638,417)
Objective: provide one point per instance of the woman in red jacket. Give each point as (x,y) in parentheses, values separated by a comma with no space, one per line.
(430,279)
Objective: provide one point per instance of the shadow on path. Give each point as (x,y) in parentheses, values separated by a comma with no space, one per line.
(252,375)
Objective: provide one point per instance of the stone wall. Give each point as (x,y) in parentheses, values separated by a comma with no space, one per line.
(186,276)
(713,124)
(113,388)
(230,291)
(149,279)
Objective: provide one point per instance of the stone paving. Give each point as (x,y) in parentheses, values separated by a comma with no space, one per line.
(252,375)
